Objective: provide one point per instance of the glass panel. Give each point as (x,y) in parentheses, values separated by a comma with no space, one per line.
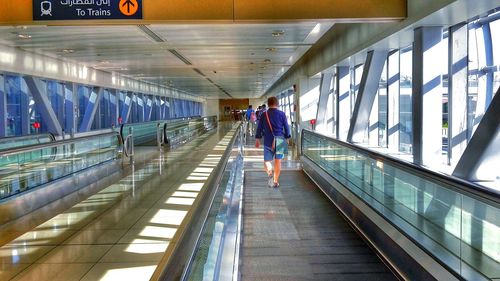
(405,122)
(14,98)
(83,100)
(13,142)
(34,166)
(382,108)
(357,75)
(459,229)
(495,38)
(56,99)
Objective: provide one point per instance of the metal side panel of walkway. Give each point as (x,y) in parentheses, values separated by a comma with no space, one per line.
(295,233)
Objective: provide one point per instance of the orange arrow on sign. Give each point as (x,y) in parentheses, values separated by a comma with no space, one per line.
(128,7)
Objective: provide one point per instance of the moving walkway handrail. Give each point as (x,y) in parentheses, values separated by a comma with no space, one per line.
(457,184)
(49,136)
(29,148)
(27,137)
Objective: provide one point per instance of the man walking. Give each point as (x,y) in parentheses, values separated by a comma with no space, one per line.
(250,118)
(273,126)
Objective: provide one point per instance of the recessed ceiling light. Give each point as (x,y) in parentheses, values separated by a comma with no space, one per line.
(271,49)
(103,61)
(267,60)
(68,51)
(262,67)
(278,33)
(24,36)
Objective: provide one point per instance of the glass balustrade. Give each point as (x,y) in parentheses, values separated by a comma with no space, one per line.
(449,219)
(25,168)
(175,130)
(13,142)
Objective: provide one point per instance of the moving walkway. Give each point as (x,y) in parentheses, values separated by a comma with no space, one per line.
(30,164)
(342,213)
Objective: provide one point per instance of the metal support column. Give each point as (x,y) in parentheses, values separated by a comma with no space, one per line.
(393,77)
(90,111)
(479,162)
(3,107)
(488,51)
(130,108)
(168,107)
(457,91)
(148,109)
(343,110)
(372,71)
(324,93)
(24,105)
(157,107)
(125,108)
(114,106)
(290,98)
(427,93)
(39,93)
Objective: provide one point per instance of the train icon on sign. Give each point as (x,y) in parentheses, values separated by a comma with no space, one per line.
(46,8)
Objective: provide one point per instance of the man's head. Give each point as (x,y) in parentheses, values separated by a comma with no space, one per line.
(250,106)
(272,102)
(264,106)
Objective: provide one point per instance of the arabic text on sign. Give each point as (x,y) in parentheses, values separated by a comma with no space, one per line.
(86,2)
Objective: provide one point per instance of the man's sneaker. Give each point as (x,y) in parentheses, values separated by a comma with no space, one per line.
(276,185)
(270,181)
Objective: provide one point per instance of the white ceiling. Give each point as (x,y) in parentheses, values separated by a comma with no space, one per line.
(202,59)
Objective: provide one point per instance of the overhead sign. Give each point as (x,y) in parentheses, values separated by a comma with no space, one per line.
(47,10)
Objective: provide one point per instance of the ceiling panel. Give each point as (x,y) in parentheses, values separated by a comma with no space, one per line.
(243,59)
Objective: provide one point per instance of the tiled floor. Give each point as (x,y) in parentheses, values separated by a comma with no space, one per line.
(122,231)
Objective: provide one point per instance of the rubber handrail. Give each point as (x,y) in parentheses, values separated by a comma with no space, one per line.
(28,148)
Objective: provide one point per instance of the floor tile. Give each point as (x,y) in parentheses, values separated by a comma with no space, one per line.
(75,254)
(14,254)
(136,271)
(135,252)
(99,236)
(54,272)
(8,270)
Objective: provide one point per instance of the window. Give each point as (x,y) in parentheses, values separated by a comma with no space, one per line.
(405,103)
(382,108)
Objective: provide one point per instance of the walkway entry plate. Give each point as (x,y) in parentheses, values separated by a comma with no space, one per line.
(47,10)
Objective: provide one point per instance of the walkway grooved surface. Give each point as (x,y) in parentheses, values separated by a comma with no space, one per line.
(295,233)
